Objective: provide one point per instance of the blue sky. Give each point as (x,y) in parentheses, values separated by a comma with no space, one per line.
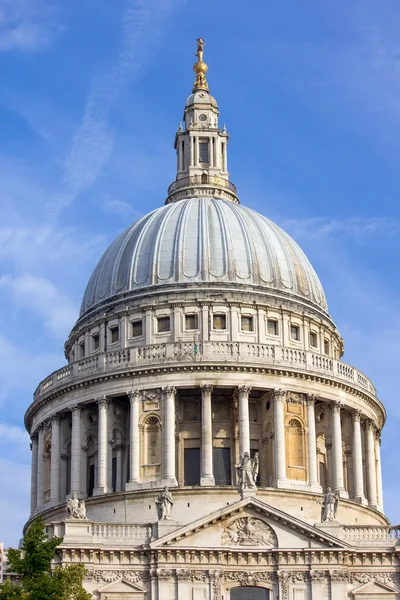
(92,93)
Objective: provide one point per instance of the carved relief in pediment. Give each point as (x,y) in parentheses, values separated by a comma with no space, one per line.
(248,531)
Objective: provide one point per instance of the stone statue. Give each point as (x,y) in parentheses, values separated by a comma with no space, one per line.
(76,509)
(164,504)
(329,505)
(247,471)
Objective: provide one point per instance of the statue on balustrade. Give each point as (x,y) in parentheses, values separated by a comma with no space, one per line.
(164,504)
(247,471)
(76,509)
(329,505)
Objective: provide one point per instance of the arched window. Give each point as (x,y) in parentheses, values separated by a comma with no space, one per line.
(151,461)
(296,451)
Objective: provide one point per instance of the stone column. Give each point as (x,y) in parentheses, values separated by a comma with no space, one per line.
(357,460)
(244,422)
(279,397)
(312,442)
(102,450)
(148,329)
(134,443)
(370,460)
(76,452)
(379,470)
(40,466)
(55,460)
(34,471)
(169,436)
(338,479)
(207,476)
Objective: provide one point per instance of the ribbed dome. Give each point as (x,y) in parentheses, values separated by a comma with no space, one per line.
(203,240)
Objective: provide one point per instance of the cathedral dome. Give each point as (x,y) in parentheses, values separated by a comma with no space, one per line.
(203,241)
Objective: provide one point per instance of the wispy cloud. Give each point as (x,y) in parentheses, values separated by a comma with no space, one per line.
(41,296)
(355,227)
(121,208)
(27,25)
(144,25)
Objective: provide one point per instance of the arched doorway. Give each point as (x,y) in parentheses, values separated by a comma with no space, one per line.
(249,593)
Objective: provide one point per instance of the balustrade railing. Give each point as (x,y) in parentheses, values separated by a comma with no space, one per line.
(211,351)
(372,533)
(139,534)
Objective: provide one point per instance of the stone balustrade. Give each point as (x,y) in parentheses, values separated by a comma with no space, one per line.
(124,533)
(263,355)
(359,534)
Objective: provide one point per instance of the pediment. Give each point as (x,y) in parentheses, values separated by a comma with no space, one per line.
(249,523)
(374,588)
(121,589)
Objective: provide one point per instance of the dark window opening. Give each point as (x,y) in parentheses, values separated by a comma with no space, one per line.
(90,481)
(295,332)
(191,466)
(114,334)
(191,322)
(163,324)
(114,474)
(137,328)
(222,466)
(96,341)
(249,593)
(82,350)
(203,152)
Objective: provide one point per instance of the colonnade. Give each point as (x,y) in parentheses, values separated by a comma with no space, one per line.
(368,496)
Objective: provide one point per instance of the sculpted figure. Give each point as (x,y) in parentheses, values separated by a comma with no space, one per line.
(76,509)
(164,504)
(329,505)
(247,471)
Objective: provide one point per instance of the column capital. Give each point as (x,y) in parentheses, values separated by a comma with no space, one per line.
(356,415)
(169,390)
(55,418)
(134,395)
(244,389)
(75,408)
(102,401)
(279,394)
(311,399)
(206,387)
(370,425)
(336,406)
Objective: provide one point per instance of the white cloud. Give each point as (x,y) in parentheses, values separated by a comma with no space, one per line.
(144,24)
(26,25)
(43,297)
(11,434)
(120,208)
(356,227)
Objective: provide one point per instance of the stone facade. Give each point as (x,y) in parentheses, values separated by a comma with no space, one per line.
(171,383)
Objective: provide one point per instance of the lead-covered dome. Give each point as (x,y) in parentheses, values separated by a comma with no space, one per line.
(203,241)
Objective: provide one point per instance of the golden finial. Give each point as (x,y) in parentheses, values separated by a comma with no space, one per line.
(200,68)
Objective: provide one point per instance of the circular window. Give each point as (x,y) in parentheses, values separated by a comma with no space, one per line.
(268,405)
(203,117)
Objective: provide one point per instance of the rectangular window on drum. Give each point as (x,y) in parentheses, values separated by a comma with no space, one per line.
(114,334)
(163,324)
(137,328)
(295,332)
(222,466)
(313,339)
(191,322)
(191,459)
(203,152)
(96,341)
(219,321)
(247,324)
(272,327)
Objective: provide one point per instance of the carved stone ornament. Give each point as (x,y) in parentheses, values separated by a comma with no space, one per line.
(249,578)
(248,531)
(76,509)
(105,576)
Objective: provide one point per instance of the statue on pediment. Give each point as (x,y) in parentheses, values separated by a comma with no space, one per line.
(247,471)
(329,505)
(164,503)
